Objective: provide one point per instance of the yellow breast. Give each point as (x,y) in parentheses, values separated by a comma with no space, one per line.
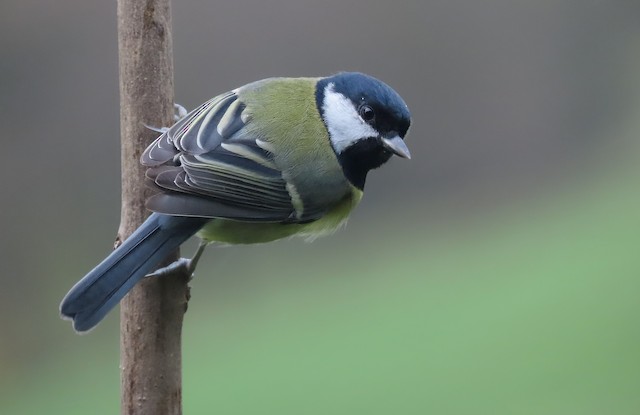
(236,232)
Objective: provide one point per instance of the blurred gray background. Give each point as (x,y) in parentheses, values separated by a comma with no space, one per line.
(516,106)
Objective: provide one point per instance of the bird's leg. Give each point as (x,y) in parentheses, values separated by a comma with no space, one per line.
(193,262)
(186,265)
(179,112)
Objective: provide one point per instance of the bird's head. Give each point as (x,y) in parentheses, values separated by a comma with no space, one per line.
(366,120)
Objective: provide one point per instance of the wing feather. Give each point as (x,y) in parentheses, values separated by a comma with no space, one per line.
(207,165)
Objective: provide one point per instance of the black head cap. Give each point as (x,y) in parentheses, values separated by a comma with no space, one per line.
(379,106)
(391,112)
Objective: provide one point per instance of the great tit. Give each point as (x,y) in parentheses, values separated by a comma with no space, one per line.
(271,159)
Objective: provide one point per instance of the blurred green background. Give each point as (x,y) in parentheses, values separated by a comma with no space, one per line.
(497,272)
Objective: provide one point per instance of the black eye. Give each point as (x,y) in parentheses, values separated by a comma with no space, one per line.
(367,113)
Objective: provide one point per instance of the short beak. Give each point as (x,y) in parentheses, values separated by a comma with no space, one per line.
(397,146)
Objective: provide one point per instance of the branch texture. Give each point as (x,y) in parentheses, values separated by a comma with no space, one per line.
(152,313)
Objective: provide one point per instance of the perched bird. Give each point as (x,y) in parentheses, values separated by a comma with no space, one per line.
(271,159)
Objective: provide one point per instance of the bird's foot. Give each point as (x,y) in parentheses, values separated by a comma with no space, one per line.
(182,265)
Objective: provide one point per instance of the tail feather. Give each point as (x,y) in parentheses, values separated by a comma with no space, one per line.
(103,287)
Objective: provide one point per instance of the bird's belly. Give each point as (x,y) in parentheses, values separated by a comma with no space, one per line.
(237,232)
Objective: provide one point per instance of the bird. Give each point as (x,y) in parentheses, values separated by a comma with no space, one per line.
(272,159)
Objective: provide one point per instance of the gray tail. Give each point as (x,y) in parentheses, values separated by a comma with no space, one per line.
(101,289)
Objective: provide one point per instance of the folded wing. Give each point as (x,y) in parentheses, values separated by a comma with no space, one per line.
(206,166)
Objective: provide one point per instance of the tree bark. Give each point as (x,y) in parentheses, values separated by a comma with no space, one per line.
(151,314)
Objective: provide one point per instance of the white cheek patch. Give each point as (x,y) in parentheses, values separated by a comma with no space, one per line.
(343,122)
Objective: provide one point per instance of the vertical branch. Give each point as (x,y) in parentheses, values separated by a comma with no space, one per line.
(151,314)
